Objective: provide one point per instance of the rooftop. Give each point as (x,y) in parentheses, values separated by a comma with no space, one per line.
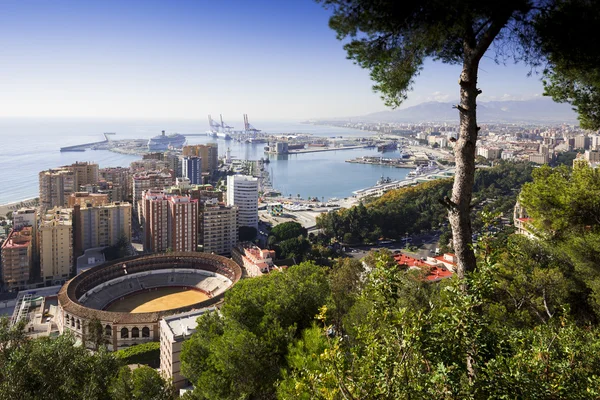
(185,323)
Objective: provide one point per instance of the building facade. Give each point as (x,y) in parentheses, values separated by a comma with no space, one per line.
(100,226)
(56,246)
(169,222)
(192,169)
(87,198)
(183,218)
(149,180)
(253,260)
(209,153)
(17,258)
(119,181)
(242,192)
(218,228)
(56,185)
(174,330)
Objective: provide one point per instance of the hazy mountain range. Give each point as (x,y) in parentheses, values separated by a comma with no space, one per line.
(541,110)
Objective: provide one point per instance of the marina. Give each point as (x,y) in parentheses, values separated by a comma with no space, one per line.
(322,174)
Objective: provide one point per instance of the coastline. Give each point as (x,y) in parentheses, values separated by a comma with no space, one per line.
(15,205)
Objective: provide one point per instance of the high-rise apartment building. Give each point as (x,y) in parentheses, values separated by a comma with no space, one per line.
(183,218)
(26,216)
(192,169)
(97,226)
(17,258)
(154,212)
(85,198)
(169,222)
(209,153)
(118,180)
(242,191)
(100,226)
(218,227)
(56,185)
(86,173)
(149,180)
(581,142)
(56,246)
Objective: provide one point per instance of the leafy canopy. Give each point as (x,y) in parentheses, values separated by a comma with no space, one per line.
(393,39)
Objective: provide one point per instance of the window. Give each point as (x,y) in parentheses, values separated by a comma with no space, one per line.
(124,333)
(108,330)
(135,332)
(145,332)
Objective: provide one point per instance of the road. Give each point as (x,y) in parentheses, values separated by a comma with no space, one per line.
(426,245)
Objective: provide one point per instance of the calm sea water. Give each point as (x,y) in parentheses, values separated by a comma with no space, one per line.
(28,146)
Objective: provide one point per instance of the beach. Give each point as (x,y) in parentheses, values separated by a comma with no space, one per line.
(5,208)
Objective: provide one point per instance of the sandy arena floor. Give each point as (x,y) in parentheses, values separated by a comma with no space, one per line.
(158,300)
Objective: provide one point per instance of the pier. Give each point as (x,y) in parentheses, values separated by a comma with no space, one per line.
(379,190)
(83,147)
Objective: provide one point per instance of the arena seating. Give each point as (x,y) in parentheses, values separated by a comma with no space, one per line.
(101,296)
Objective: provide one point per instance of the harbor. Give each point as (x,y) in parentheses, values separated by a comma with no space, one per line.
(417,176)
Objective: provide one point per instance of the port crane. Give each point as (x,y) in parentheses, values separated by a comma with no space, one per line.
(248,127)
(213,124)
(224,125)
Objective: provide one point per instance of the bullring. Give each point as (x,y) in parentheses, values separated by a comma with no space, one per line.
(91,293)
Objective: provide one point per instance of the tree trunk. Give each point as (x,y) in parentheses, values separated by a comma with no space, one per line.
(464,153)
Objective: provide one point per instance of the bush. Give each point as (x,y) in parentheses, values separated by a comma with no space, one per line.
(146,353)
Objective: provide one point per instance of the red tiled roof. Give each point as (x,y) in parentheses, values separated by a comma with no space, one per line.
(436,273)
(403,259)
(433,273)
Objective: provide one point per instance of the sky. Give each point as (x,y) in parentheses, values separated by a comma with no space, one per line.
(271,59)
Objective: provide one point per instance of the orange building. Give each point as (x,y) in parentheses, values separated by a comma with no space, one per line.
(17,258)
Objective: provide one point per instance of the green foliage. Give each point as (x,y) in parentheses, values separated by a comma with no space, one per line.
(239,353)
(55,368)
(393,42)
(417,208)
(563,201)
(144,353)
(247,233)
(346,282)
(288,230)
(443,348)
(143,383)
(119,250)
(290,241)
(573,75)
(95,333)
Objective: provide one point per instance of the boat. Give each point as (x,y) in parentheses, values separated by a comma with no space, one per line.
(223,135)
(383,181)
(257,140)
(387,146)
(423,170)
(163,142)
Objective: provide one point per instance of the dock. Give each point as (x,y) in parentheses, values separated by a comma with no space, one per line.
(83,147)
(318,150)
(379,190)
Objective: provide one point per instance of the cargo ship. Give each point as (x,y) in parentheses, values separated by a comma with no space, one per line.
(163,142)
(390,146)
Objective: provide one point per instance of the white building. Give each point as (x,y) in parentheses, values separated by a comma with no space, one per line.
(242,191)
(174,330)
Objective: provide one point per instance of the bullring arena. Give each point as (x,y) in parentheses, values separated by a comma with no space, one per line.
(130,296)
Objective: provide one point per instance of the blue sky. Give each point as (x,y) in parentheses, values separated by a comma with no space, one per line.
(272,59)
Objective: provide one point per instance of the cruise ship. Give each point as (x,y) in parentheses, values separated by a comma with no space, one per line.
(163,142)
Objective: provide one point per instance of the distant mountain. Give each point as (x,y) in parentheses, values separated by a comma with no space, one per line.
(541,110)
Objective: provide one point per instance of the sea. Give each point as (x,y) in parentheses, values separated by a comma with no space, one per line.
(28,146)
